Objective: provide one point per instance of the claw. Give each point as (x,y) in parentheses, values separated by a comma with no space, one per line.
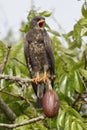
(44,78)
(37,79)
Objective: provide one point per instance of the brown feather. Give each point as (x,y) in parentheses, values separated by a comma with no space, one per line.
(38,53)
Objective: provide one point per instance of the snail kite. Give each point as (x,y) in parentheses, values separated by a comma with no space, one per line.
(39,57)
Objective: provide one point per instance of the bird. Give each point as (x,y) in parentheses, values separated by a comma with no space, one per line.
(39,57)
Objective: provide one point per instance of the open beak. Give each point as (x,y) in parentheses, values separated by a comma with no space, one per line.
(41,24)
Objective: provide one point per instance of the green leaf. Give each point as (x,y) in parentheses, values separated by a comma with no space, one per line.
(45,13)
(79,127)
(78,83)
(83,72)
(83,22)
(2,51)
(68,123)
(63,83)
(84,32)
(84,11)
(2,44)
(67,39)
(77,33)
(71,52)
(74,126)
(74,113)
(53,32)
(69,118)
(61,119)
(17,71)
(25,28)
(21,119)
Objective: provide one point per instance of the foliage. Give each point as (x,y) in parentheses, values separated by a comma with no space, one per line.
(71,79)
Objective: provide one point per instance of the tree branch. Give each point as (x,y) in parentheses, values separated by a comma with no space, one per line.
(5,59)
(22,124)
(15,78)
(8,112)
(3,106)
(19,62)
(29,101)
(76,100)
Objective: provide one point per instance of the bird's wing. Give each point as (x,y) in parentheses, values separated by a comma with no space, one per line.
(27,56)
(49,51)
(26,53)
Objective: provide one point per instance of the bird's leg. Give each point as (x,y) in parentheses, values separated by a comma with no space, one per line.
(37,79)
(45,76)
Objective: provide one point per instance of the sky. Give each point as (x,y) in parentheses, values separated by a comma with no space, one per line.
(12,12)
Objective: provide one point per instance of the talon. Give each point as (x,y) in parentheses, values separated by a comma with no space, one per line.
(37,79)
(52,77)
(44,78)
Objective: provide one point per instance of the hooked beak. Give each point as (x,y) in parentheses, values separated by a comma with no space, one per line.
(41,24)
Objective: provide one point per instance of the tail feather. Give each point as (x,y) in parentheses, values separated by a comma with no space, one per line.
(39,102)
(40,90)
(40,93)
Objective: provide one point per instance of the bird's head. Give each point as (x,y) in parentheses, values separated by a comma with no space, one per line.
(38,23)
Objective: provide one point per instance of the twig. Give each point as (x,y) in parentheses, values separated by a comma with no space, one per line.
(79,99)
(24,123)
(20,62)
(3,106)
(29,101)
(15,78)
(84,116)
(82,79)
(76,100)
(5,59)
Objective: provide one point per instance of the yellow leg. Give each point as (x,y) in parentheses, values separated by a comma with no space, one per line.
(45,77)
(37,79)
